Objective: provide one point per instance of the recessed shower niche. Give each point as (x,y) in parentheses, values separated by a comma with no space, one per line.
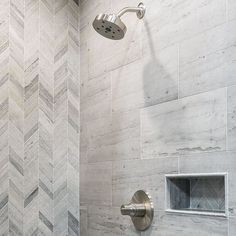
(197,194)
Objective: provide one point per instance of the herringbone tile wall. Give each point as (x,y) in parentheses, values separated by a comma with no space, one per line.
(39,117)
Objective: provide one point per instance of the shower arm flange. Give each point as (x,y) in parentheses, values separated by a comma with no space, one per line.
(140,10)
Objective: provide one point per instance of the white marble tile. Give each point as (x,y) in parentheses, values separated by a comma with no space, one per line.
(231,9)
(108,221)
(232,226)
(231,139)
(184,225)
(96,102)
(189,125)
(146,82)
(169,22)
(96,183)
(126,135)
(83,221)
(149,175)
(207,61)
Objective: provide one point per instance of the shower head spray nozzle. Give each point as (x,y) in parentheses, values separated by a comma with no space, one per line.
(111,26)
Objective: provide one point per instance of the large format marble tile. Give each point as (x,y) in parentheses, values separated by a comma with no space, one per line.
(215,162)
(232,226)
(231,9)
(207,61)
(231,145)
(184,225)
(149,175)
(96,183)
(108,221)
(146,82)
(96,101)
(83,221)
(168,22)
(189,125)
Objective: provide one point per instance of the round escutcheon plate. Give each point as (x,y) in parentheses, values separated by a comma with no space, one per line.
(143,197)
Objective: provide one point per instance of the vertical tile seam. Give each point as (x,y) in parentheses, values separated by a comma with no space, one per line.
(53,122)
(8,117)
(38,72)
(178,70)
(67,121)
(226,120)
(23,228)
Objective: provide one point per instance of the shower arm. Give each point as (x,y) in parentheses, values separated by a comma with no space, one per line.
(140,11)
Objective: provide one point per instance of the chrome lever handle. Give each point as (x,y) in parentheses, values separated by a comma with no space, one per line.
(140,209)
(131,209)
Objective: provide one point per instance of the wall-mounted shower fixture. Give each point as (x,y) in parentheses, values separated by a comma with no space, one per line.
(111,26)
(140,209)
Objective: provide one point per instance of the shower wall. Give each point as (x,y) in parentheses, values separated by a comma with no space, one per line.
(39,117)
(160,101)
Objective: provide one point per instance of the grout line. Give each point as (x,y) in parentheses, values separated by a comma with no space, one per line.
(8,118)
(23,228)
(178,70)
(226,128)
(227,10)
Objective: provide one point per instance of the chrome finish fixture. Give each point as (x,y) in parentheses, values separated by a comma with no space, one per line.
(140,10)
(140,209)
(111,26)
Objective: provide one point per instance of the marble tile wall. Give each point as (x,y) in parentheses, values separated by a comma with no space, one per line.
(39,117)
(160,101)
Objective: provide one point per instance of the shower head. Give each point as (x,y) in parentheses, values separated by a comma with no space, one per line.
(111,26)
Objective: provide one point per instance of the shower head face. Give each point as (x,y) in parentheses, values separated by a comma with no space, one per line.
(109,26)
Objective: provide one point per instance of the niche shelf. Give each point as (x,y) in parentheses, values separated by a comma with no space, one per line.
(204,194)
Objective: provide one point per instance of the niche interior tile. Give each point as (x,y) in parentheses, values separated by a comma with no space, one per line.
(189,125)
(108,221)
(215,162)
(146,82)
(129,176)
(96,183)
(232,118)
(208,61)
(169,22)
(185,225)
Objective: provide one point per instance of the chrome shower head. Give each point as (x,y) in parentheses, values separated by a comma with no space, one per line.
(111,26)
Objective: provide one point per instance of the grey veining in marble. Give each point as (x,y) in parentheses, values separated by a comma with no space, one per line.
(231,145)
(129,176)
(218,162)
(34,198)
(107,221)
(95,184)
(184,225)
(160,92)
(192,124)
(207,64)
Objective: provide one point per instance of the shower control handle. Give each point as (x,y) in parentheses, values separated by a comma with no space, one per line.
(131,209)
(140,209)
